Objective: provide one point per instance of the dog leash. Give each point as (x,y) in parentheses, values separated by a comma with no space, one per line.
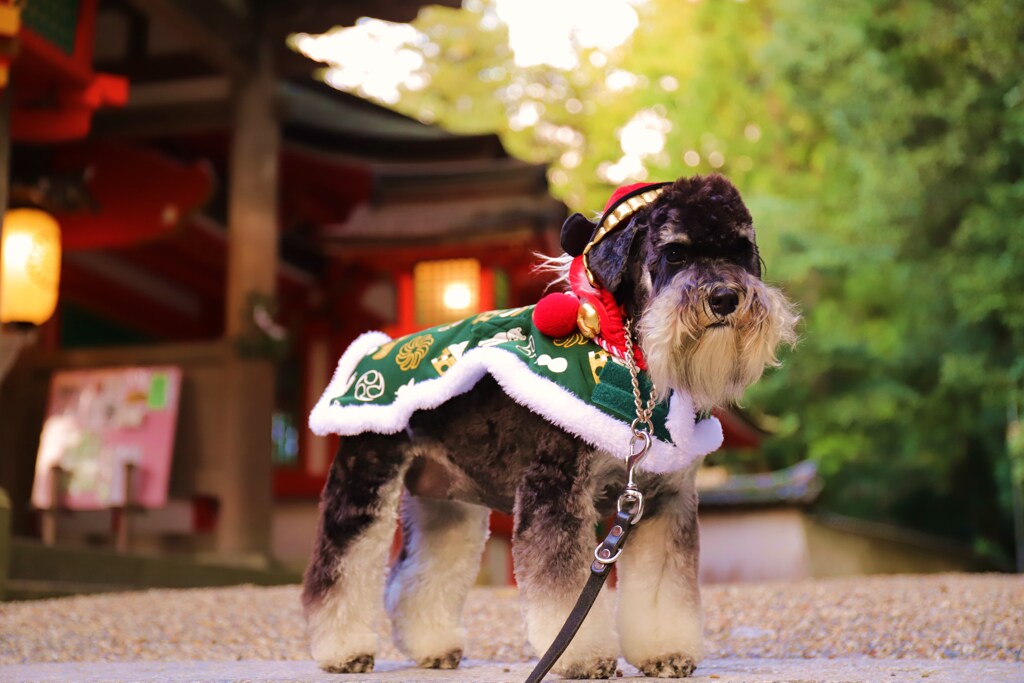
(630,508)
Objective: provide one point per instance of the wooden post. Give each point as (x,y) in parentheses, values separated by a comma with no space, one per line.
(50,514)
(5,149)
(126,517)
(5,191)
(243,526)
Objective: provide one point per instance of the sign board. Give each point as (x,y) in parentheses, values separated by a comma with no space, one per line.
(99,420)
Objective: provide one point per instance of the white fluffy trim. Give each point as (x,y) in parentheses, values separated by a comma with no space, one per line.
(550,401)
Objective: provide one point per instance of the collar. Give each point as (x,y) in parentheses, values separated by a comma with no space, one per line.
(600,317)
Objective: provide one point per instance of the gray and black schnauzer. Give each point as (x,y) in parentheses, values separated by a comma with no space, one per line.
(686,268)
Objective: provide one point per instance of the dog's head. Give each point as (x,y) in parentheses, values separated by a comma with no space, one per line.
(684,264)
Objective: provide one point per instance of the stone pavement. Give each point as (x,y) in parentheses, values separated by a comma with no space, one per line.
(861,670)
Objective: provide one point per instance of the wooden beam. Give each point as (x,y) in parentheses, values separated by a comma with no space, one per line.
(448,218)
(318,16)
(5,150)
(209,25)
(156,68)
(166,120)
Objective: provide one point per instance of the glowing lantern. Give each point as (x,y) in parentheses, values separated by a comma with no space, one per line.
(446,290)
(29,266)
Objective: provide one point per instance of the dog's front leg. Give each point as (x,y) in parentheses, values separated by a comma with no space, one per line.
(659,612)
(553,547)
(343,583)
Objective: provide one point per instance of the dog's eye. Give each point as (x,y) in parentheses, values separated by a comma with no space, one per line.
(675,253)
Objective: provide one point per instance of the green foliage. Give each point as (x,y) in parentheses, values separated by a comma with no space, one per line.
(880,146)
(913,332)
(459,46)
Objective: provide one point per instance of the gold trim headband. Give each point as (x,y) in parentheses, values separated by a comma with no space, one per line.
(612,219)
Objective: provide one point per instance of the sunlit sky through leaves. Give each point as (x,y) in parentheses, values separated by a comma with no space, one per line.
(376,58)
(373,58)
(549,32)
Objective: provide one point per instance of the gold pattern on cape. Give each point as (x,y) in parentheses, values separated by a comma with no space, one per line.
(412,353)
(489,315)
(485,316)
(444,362)
(598,359)
(384,350)
(575,339)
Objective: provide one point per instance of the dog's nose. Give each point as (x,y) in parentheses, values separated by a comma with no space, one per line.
(723,301)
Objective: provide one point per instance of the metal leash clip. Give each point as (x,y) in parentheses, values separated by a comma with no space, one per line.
(630,507)
(631,495)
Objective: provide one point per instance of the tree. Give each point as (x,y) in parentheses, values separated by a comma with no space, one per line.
(914,330)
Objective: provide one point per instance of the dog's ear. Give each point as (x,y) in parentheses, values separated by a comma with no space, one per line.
(609,258)
(576,232)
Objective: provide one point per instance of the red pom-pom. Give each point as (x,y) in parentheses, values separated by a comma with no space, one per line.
(555,315)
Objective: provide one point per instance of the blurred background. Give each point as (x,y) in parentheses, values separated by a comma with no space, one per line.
(207,200)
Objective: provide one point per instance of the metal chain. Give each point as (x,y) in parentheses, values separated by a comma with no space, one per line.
(643,413)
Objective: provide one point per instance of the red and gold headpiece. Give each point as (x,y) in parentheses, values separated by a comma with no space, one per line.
(591,308)
(624,202)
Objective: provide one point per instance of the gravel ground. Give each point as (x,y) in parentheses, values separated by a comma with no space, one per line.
(924,617)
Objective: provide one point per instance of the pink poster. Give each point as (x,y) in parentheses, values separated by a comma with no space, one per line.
(97,421)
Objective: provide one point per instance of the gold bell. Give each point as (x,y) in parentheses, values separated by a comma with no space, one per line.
(588,321)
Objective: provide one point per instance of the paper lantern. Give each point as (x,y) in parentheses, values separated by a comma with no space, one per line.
(29,266)
(446,290)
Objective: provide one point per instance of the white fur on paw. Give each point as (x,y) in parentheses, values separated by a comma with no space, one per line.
(450,660)
(600,668)
(334,646)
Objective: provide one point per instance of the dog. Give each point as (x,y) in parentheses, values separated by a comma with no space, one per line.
(679,264)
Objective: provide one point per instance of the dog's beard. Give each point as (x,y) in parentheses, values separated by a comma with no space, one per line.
(689,349)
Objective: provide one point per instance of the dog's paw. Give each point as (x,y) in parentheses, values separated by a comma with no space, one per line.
(360,664)
(671,666)
(449,660)
(600,668)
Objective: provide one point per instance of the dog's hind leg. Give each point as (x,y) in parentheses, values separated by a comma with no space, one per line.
(553,547)
(344,581)
(659,613)
(441,547)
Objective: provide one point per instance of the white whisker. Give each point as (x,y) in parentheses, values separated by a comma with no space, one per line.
(556,265)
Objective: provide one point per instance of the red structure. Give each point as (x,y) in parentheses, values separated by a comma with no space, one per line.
(212,194)
(145,191)
(57,90)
